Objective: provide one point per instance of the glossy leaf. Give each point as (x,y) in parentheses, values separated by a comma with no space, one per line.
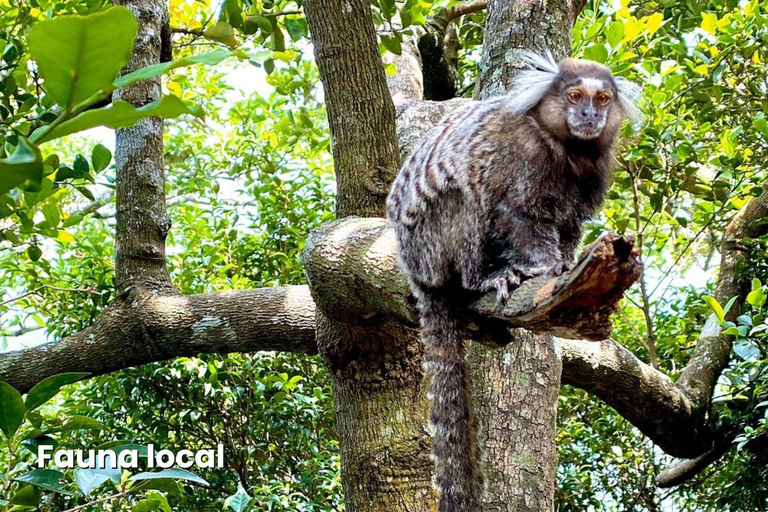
(78,56)
(48,388)
(25,163)
(121,114)
(11,410)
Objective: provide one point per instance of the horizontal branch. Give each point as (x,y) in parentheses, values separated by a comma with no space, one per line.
(643,395)
(352,267)
(445,16)
(147,327)
(358,255)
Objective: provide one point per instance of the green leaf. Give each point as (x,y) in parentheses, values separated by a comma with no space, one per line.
(47,388)
(47,479)
(77,423)
(209,59)
(11,409)
(238,502)
(162,500)
(615,33)
(597,53)
(296,27)
(34,440)
(28,496)
(34,252)
(254,23)
(729,304)
(121,114)
(100,157)
(709,22)
(716,308)
(278,40)
(223,33)
(87,480)
(80,56)
(756,297)
(146,505)
(391,43)
(176,474)
(25,163)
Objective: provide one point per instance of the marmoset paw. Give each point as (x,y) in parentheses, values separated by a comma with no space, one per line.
(568,266)
(503,281)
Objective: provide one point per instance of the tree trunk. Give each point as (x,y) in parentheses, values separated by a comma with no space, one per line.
(381,410)
(535,25)
(142,223)
(360,111)
(375,363)
(516,387)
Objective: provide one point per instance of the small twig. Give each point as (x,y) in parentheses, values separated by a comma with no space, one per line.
(651,342)
(188,31)
(443,18)
(36,291)
(22,296)
(100,500)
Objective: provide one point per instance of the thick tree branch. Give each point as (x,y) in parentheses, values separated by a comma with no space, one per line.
(355,279)
(713,350)
(644,396)
(359,254)
(689,468)
(148,327)
(445,16)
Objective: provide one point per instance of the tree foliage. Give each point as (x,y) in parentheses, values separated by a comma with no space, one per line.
(247,184)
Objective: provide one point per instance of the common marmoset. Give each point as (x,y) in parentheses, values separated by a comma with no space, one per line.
(494,194)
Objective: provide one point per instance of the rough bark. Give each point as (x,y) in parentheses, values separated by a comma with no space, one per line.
(147,327)
(381,409)
(360,111)
(522,25)
(375,363)
(142,223)
(518,432)
(520,482)
(713,350)
(643,395)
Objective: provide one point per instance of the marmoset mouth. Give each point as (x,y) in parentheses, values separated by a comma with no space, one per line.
(585,133)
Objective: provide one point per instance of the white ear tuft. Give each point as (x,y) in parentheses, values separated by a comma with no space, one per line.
(629,98)
(530,85)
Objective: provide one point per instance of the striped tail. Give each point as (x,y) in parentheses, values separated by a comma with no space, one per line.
(458,478)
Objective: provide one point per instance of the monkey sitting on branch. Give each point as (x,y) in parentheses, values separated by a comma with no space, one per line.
(495,194)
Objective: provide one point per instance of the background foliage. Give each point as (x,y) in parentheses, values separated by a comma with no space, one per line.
(249,182)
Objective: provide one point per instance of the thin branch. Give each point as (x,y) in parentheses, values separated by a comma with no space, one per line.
(198,32)
(101,500)
(444,17)
(646,309)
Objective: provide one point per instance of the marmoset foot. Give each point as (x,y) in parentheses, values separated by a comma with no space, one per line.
(504,282)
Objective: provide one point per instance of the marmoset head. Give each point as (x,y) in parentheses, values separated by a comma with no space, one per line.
(577,99)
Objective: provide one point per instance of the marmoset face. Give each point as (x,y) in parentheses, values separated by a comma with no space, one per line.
(588,104)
